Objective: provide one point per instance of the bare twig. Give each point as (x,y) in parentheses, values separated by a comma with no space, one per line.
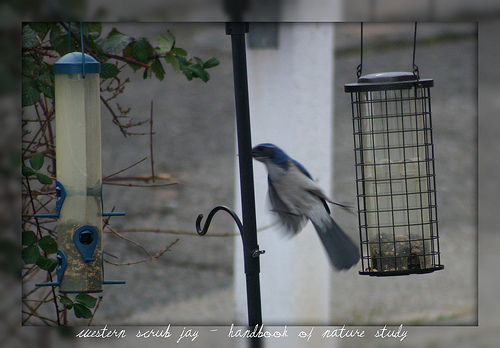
(115,117)
(40,51)
(126,59)
(95,310)
(140,185)
(188,233)
(151,143)
(40,235)
(129,240)
(152,258)
(145,178)
(124,169)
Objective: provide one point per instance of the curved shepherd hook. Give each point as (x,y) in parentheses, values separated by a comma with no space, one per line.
(203,231)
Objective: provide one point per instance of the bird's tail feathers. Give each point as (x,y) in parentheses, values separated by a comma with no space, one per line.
(341,250)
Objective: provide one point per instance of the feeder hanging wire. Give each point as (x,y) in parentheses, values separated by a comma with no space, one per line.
(359,68)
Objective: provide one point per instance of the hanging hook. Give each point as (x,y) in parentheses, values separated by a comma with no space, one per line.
(202,231)
(415,67)
(359,68)
(83,49)
(210,216)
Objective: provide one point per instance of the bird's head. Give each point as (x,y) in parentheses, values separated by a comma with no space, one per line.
(270,153)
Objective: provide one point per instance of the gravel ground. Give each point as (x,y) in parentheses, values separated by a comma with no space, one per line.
(195,140)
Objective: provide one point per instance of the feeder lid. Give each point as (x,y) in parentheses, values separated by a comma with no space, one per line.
(71,63)
(387,81)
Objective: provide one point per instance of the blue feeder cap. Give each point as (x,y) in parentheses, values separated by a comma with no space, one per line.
(387,81)
(71,63)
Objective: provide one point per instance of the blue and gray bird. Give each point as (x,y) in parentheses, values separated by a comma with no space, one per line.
(295,198)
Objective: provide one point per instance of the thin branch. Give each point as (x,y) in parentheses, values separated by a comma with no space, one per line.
(37,305)
(41,317)
(115,117)
(155,257)
(185,233)
(124,169)
(126,60)
(40,236)
(145,178)
(39,51)
(151,143)
(129,240)
(140,185)
(95,310)
(188,233)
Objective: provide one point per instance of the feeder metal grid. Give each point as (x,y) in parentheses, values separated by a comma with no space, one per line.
(395,174)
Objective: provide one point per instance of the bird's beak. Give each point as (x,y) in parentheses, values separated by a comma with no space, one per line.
(256,154)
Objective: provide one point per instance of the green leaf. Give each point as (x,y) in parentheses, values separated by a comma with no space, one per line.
(37,160)
(48,244)
(30,254)
(40,28)
(29,38)
(90,45)
(45,85)
(27,171)
(81,311)
(198,71)
(29,67)
(47,264)
(127,52)
(94,28)
(158,70)
(165,44)
(30,95)
(142,50)
(59,41)
(183,64)
(179,51)
(65,300)
(43,179)
(199,61)
(29,238)
(172,60)
(210,63)
(86,300)
(116,42)
(109,70)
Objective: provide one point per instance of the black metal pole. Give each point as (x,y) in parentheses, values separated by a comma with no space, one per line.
(251,252)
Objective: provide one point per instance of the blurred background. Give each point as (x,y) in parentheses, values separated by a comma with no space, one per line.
(194,140)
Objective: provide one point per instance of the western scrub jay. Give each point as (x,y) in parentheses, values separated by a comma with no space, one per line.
(295,197)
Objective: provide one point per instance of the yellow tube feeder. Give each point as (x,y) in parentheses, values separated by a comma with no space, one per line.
(79,185)
(78,166)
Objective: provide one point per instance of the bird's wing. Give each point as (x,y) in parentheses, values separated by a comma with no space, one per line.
(313,188)
(302,169)
(317,191)
(292,222)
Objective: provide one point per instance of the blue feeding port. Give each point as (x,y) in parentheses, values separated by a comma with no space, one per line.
(60,196)
(85,238)
(62,261)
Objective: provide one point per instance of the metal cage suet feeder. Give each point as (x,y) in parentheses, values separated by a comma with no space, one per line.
(395,173)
